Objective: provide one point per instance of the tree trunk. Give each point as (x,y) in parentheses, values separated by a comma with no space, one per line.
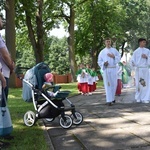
(36,37)
(10,34)
(31,35)
(40,32)
(94,58)
(71,46)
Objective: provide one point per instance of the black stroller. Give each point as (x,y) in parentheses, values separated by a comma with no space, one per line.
(46,106)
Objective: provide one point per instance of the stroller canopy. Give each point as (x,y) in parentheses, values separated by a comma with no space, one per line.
(35,75)
(40,70)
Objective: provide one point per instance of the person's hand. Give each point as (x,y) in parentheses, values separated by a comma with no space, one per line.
(144,56)
(133,64)
(111,55)
(12,67)
(106,63)
(3,83)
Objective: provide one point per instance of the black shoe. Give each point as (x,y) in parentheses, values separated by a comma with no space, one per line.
(114,101)
(4,144)
(109,104)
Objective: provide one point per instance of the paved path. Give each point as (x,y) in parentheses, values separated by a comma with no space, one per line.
(123,126)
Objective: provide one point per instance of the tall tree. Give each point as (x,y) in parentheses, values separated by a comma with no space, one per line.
(33,16)
(71,41)
(67,11)
(37,16)
(96,20)
(136,21)
(93,21)
(10,33)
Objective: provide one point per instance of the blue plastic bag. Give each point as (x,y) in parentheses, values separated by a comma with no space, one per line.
(5,120)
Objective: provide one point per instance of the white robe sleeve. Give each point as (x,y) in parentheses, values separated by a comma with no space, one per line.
(117,57)
(101,61)
(148,58)
(137,60)
(133,61)
(119,71)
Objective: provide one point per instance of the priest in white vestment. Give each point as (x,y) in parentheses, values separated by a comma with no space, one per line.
(140,60)
(108,58)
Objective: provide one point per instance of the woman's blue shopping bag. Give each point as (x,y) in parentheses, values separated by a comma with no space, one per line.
(5,119)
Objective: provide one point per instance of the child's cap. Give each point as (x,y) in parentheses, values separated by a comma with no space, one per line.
(48,77)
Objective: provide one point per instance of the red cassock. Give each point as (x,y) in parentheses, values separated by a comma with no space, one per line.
(119,87)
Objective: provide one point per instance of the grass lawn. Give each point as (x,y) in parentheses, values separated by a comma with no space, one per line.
(73,87)
(29,138)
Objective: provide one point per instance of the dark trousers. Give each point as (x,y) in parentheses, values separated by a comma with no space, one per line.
(5,93)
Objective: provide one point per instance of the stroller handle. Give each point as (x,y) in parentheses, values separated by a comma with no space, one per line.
(19,71)
(30,84)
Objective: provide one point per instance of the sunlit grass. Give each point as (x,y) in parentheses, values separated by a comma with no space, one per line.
(73,87)
(26,138)
(30,138)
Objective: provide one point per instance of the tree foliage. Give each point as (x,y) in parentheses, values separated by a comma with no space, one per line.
(122,20)
(25,56)
(136,21)
(58,55)
(99,19)
(31,13)
(55,55)
(88,22)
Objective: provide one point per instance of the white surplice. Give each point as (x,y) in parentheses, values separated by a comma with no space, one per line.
(141,65)
(109,72)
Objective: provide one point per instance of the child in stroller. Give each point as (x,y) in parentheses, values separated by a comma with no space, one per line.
(45,105)
(48,84)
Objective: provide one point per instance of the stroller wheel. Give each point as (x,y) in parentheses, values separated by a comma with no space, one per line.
(77,118)
(65,122)
(29,118)
(49,119)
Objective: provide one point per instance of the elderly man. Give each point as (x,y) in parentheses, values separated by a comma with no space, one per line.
(108,58)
